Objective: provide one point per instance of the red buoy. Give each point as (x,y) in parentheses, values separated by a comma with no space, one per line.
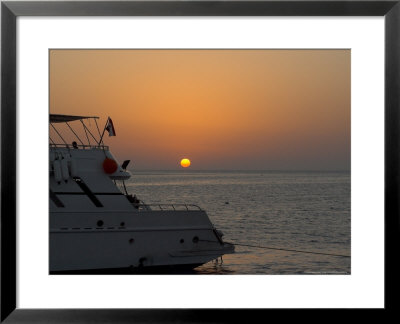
(109,166)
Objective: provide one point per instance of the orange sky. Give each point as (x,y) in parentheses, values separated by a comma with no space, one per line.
(223,109)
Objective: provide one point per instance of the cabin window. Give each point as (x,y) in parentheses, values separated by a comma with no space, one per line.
(55,199)
(88,192)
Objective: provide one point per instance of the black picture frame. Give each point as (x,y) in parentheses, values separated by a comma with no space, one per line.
(10,10)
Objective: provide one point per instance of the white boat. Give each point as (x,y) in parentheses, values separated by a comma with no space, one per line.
(97,227)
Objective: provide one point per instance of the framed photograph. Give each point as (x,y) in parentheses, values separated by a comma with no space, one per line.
(225,150)
(180,160)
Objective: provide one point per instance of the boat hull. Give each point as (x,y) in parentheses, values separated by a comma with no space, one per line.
(171,269)
(179,240)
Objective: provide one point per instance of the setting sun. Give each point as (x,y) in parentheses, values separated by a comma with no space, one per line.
(185,163)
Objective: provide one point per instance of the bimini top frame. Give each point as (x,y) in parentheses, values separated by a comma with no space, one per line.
(57,119)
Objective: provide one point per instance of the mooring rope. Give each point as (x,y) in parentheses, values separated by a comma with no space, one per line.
(290,250)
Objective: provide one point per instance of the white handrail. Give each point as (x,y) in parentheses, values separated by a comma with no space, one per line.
(84,146)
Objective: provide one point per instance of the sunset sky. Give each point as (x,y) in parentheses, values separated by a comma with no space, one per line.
(222,109)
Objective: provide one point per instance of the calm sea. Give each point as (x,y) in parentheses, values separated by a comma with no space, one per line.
(306,211)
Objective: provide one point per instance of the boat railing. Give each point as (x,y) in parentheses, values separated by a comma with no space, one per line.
(168,207)
(79,146)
